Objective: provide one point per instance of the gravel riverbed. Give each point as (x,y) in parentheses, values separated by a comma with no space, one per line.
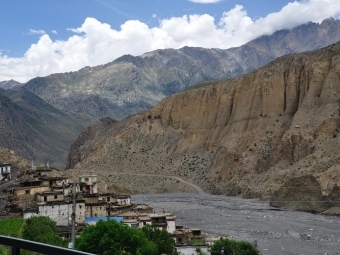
(277,232)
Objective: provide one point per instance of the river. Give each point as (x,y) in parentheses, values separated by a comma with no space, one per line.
(276,232)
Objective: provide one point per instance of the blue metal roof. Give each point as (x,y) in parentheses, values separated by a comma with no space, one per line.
(95,219)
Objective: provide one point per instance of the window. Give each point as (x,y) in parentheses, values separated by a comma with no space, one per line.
(108,199)
(27,191)
(86,179)
(79,206)
(55,196)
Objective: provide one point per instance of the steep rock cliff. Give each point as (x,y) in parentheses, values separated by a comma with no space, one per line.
(243,136)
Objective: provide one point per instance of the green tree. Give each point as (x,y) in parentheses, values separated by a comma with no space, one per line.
(4,251)
(165,244)
(42,229)
(233,247)
(111,237)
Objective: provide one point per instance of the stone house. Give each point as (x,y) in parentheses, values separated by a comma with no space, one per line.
(5,171)
(164,221)
(184,235)
(96,209)
(108,197)
(59,212)
(49,196)
(143,208)
(123,199)
(42,172)
(88,184)
(19,191)
(57,181)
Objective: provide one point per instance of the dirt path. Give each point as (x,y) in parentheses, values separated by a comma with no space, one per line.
(197,188)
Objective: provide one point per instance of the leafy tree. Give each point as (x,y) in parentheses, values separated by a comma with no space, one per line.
(165,244)
(233,247)
(110,237)
(199,251)
(4,251)
(42,229)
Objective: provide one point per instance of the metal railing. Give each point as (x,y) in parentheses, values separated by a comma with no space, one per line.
(18,244)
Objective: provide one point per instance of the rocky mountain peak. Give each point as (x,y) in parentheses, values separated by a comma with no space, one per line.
(131,84)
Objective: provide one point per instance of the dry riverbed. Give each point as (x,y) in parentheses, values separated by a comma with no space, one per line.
(277,232)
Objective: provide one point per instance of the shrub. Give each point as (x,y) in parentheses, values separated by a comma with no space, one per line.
(233,247)
(110,237)
(42,229)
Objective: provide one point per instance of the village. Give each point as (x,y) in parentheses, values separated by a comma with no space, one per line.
(47,192)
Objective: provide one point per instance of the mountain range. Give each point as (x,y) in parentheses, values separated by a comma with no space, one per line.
(36,130)
(132,84)
(254,136)
(11,84)
(44,130)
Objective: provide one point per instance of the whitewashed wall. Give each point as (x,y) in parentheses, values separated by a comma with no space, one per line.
(189,250)
(58,213)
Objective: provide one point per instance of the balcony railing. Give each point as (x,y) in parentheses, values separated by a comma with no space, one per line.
(16,244)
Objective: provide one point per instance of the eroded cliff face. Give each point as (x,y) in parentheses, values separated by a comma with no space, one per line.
(244,136)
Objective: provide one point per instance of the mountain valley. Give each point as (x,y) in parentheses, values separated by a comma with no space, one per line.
(189,121)
(36,130)
(246,136)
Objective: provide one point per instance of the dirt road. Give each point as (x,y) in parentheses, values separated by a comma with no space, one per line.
(198,189)
(277,232)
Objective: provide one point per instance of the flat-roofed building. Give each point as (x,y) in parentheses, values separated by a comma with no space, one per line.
(96,209)
(123,199)
(108,197)
(59,212)
(32,190)
(88,184)
(49,196)
(5,171)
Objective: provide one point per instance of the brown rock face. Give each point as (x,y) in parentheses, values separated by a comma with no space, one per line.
(243,136)
(89,138)
(304,193)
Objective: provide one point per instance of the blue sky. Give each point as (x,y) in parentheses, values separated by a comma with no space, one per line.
(41,37)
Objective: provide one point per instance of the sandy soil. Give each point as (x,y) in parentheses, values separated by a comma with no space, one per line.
(277,232)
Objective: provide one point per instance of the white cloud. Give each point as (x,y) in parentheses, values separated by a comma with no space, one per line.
(205,1)
(154,16)
(54,32)
(95,43)
(36,32)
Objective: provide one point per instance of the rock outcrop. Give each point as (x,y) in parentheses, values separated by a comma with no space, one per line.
(305,193)
(245,136)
